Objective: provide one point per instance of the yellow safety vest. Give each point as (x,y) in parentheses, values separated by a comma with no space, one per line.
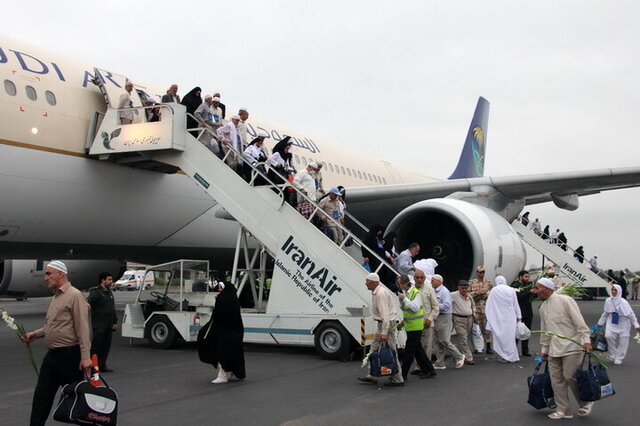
(413,321)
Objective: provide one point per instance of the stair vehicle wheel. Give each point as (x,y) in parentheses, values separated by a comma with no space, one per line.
(160,332)
(332,340)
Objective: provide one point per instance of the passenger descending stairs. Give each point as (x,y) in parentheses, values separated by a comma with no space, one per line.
(306,260)
(580,273)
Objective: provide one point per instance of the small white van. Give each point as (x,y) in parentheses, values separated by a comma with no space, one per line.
(131,280)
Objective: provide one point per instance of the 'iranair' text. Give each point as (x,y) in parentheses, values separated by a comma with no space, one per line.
(308,277)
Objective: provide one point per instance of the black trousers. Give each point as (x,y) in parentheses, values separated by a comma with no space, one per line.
(100,345)
(59,367)
(412,350)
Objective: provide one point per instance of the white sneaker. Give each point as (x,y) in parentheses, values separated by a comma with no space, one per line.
(617,362)
(219,380)
(460,363)
(440,367)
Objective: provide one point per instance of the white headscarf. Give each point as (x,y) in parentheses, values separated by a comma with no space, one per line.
(500,280)
(428,266)
(617,304)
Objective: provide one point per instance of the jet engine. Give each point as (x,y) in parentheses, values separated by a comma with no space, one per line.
(25,278)
(460,236)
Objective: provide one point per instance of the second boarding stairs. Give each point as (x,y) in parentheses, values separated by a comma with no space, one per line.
(579,273)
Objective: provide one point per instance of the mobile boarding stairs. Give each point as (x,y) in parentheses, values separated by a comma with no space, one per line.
(317,294)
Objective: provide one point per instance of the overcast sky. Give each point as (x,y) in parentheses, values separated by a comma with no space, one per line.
(398,79)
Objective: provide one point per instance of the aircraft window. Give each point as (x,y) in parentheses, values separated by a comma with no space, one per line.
(330,167)
(342,170)
(31,93)
(297,159)
(304,160)
(51,98)
(384,181)
(10,87)
(370,177)
(354,172)
(359,174)
(348,172)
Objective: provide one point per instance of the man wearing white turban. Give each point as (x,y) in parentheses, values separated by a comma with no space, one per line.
(503,314)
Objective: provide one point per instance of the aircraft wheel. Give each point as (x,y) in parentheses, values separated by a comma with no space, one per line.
(160,332)
(332,340)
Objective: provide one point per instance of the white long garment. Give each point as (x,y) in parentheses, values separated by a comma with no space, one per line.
(502,313)
(626,316)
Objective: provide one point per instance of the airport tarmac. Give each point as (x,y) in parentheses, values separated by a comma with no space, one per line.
(294,386)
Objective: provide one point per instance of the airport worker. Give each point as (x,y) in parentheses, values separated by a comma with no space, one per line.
(480,289)
(503,315)
(230,138)
(619,318)
(444,326)
(171,95)
(104,320)
(413,322)
(331,205)
(224,334)
(523,286)
(463,315)
(560,314)
(126,117)
(242,126)
(385,313)
(404,261)
(431,310)
(66,334)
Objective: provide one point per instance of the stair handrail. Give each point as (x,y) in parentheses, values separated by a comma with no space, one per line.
(348,234)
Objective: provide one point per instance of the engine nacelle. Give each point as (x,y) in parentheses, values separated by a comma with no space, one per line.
(460,236)
(25,278)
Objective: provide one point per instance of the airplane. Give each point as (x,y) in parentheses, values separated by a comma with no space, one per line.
(59,202)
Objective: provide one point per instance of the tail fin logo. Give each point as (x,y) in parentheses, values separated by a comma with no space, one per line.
(477,147)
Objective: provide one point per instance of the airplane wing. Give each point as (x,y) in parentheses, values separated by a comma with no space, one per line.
(562,188)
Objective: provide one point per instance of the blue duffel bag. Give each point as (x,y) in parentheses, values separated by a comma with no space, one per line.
(593,382)
(383,362)
(540,390)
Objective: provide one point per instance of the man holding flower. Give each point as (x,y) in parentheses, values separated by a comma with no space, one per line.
(66,334)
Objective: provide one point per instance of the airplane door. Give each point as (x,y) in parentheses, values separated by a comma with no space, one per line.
(112,86)
(393,173)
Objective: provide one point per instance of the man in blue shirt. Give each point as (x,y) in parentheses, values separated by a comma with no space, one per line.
(444,325)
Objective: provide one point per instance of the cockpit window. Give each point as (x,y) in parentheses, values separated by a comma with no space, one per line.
(31,93)
(51,98)
(10,88)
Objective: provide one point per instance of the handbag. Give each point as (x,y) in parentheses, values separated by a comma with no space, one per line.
(598,341)
(81,403)
(593,382)
(383,362)
(477,338)
(540,390)
(522,331)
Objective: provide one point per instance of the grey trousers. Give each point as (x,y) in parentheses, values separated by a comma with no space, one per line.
(562,370)
(463,329)
(442,332)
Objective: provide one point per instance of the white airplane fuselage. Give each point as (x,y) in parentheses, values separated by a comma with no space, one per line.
(58,202)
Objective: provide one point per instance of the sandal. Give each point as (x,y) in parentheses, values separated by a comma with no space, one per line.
(585,410)
(557,415)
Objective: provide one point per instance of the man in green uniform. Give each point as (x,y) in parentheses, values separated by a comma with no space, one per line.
(104,320)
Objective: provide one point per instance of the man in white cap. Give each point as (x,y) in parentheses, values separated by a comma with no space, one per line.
(230,138)
(66,334)
(385,312)
(444,326)
(306,184)
(242,126)
(560,314)
(331,206)
(216,110)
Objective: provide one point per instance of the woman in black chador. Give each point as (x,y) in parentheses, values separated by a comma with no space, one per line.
(220,340)
(192,101)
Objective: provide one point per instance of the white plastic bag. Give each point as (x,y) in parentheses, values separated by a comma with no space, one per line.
(401,338)
(522,331)
(477,338)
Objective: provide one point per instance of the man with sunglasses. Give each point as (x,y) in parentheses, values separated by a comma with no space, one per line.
(66,334)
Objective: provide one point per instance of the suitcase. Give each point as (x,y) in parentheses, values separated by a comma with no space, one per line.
(383,362)
(81,403)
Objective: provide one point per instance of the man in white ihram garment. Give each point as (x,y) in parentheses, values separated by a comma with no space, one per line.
(503,315)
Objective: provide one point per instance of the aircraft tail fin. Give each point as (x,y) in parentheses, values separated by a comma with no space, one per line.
(471,162)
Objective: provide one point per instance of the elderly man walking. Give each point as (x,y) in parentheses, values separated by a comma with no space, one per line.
(463,315)
(560,314)
(444,325)
(66,334)
(385,312)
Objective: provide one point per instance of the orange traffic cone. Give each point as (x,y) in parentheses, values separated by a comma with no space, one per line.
(95,371)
